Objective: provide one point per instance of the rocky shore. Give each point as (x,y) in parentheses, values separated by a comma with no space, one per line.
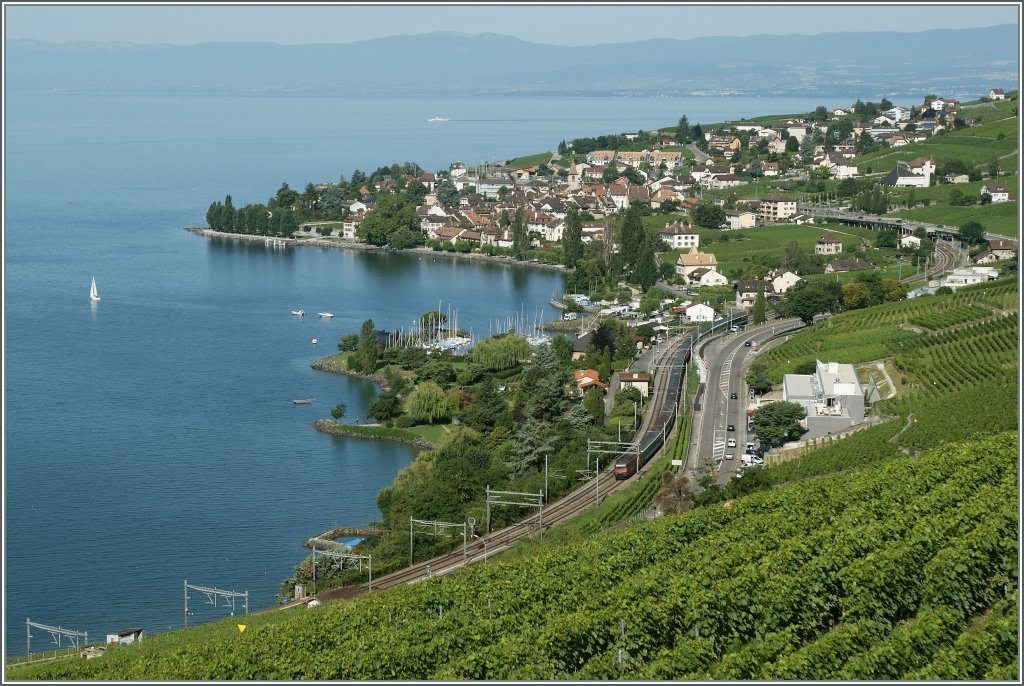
(326,364)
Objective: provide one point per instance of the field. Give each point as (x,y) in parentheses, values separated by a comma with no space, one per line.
(825,579)
(529,160)
(1001,218)
(733,255)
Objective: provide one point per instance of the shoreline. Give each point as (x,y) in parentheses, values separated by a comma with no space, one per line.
(329,426)
(324,364)
(354,245)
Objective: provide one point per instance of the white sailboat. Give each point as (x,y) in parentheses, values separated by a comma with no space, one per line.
(326,315)
(437,118)
(93,295)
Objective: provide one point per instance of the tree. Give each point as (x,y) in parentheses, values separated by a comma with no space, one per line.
(757,378)
(645,274)
(632,237)
(611,172)
(339,411)
(580,417)
(561,346)
(887,239)
(447,194)
(993,167)
(348,342)
(683,130)
(893,290)
(562,148)
(806,149)
(365,357)
(594,402)
(757,312)
(520,241)
(388,217)
(985,199)
(386,406)
(777,422)
(427,403)
(972,233)
(856,295)
(792,144)
(806,301)
(572,238)
(708,215)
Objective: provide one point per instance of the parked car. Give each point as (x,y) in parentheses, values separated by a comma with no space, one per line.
(732,396)
(731,443)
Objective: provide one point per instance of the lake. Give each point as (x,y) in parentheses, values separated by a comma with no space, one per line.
(151,437)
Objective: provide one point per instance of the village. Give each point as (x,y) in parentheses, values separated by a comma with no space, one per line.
(732,177)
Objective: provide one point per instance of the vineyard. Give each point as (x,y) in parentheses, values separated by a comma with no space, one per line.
(893,329)
(904,569)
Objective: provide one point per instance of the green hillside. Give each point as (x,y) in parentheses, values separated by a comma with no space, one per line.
(825,579)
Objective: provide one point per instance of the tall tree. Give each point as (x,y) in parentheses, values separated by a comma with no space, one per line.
(572,238)
(807,150)
(683,130)
(645,273)
(520,241)
(368,349)
(632,239)
(757,312)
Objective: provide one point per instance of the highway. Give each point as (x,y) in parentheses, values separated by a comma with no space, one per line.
(726,358)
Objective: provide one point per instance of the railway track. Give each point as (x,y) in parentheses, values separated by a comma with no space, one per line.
(661,412)
(945,260)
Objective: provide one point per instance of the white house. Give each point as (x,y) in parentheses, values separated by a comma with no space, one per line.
(702,276)
(782,280)
(910,241)
(680,237)
(740,219)
(746,292)
(641,381)
(921,166)
(828,244)
(694,259)
(700,313)
(996,94)
(1000,192)
(967,276)
(903,177)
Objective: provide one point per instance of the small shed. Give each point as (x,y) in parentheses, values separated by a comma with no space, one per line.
(125,636)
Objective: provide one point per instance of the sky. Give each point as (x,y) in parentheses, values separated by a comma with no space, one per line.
(565,24)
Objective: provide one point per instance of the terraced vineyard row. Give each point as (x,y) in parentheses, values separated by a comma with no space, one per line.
(950,316)
(828,578)
(874,333)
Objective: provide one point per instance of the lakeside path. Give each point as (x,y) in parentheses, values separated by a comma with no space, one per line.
(355,245)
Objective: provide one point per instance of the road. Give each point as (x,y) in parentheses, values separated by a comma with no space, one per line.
(898,223)
(727,358)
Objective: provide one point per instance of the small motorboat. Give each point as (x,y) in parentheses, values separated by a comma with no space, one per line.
(313,341)
(298,313)
(326,315)
(305,401)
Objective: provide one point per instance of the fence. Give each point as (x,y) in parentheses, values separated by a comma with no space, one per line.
(794,451)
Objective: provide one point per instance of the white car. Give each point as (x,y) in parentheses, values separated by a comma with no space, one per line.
(731,443)
(730,456)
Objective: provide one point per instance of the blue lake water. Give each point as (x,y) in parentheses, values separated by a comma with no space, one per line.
(151,437)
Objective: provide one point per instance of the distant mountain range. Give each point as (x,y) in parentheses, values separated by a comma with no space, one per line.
(962,63)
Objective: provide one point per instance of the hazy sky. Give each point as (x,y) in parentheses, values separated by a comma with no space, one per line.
(564,25)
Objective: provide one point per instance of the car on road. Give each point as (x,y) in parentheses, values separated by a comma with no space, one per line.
(730,456)
(730,428)
(732,396)
(734,329)
(731,443)
(747,344)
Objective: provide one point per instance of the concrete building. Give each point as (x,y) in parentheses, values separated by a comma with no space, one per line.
(678,236)
(641,381)
(777,209)
(833,397)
